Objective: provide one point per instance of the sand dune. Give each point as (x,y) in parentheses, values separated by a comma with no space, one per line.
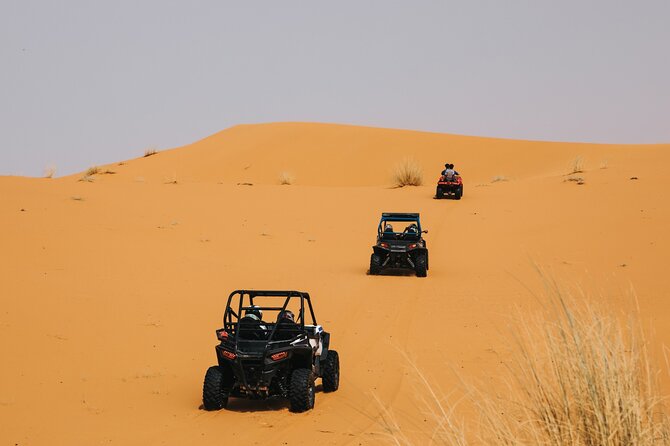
(112,289)
(339,155)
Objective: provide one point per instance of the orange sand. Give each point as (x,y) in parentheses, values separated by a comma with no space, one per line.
(111,290)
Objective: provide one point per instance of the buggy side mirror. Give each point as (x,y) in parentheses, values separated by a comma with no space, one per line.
(425,231)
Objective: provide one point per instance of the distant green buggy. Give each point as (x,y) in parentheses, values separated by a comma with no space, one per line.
(404,249)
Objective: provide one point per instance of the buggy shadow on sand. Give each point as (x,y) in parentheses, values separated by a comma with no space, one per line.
(281,358)
(399,250)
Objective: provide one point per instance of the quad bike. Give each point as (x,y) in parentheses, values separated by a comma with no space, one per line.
(449,187)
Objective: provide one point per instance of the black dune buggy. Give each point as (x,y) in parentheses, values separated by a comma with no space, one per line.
(406,249)
(278,358)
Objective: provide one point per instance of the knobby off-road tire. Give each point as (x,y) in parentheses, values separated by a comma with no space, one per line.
(375,264)
(459,193)
(331,372)
(439,193)
(420,265)
(301,390)
(216,387)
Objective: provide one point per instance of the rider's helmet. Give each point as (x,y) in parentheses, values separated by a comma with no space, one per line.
(413,228)
(389,228)
(254,312)
(288,315)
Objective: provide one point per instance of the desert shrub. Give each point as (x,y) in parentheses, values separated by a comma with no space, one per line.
(575,178)
(407,172)
(579,377)
(286,179)
(150,151)
(49,172)
(577,165)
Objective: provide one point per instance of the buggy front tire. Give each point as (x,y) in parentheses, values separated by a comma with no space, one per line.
(421,265)
(301,390)
(331,372)
(215,389)
(375,264)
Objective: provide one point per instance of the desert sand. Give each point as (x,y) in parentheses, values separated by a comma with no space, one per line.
(111,289)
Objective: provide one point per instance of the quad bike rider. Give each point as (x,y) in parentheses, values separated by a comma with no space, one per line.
(449,184)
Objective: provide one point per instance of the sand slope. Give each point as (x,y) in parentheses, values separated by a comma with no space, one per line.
(111,290)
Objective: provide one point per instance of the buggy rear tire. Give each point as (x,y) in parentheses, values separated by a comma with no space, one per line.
(215,388)
(375,264)
(439,193)
(421,265)
(331,372)
(459,193)
(301,390)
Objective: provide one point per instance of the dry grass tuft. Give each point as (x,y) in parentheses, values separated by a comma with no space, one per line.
(150,151)
(286,179)
(49,172)
(407,172)
(436,409)
(88,175)
(579,377)
(577,165)
(498,178)
(577,179)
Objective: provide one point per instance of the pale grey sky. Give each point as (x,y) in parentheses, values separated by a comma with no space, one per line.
(85,82)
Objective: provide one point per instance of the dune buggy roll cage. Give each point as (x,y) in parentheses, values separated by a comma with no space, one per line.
(231,318)
(396,216)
